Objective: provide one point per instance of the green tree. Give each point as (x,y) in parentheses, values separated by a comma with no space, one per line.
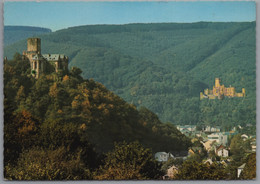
(237,148)
(129,161)
(39,164)
(249,172)
(193,170)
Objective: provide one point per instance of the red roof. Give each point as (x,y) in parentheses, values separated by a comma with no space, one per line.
(221,147)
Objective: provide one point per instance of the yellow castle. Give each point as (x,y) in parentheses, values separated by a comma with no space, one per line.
(220,91)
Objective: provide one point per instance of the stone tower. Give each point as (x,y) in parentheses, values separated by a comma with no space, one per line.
(33,53)
(34,45)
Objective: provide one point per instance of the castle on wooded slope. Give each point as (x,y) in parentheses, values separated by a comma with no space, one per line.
(220,91)
(43,63)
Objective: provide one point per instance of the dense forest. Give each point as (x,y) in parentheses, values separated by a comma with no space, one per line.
(165,66)
(62,126)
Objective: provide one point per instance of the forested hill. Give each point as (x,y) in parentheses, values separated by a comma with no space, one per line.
(64,109)
(165,66)
(13,34)
(62,127)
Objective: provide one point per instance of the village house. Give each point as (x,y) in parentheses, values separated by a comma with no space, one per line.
(222,151)
(253,148)
(171,172)
(244,137)
(235,128)
(210,145)
(220,138)
(230,133)
(253,144)
(194,150)
(186,127)
(211,129)
(163,156)
(240,169)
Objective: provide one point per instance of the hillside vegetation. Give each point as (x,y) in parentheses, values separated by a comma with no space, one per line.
(165,66)
(61,125)
(13,34)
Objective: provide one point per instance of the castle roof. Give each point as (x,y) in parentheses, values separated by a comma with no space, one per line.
(53,57)
(37,57)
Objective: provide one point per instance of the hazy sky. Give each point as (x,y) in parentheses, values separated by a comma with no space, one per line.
(59,15)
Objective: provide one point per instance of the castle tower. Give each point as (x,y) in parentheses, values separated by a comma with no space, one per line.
(243,92)
(217,82)
(33,53)
(34,45)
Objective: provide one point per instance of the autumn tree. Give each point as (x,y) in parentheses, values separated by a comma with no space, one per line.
(39,164)
(129,161)
(192,170)
(21,131)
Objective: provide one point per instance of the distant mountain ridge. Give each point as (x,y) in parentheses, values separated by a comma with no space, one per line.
(26,28)
(164,66)
(13,34)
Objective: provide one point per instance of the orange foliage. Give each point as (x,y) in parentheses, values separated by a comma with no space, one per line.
(26,124)
(54,90)
(65,78)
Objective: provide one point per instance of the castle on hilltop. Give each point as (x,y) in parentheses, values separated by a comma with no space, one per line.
(220,91)
(42,63)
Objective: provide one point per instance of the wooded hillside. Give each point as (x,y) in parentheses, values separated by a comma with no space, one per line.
(165,66)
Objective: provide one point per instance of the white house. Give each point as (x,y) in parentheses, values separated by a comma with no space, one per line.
(240,169)
(163,156)
(186,127)
(222,151)
(244,137)
(253,148)
(211,129)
